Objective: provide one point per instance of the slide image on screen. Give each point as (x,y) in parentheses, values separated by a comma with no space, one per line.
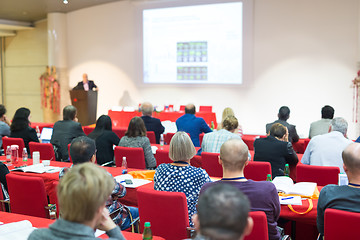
(193,44)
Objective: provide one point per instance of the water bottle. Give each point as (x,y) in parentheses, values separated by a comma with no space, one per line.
(124,166)
(8,154)
(269,178)
(24,156)
(162,140)
(287,170)
(147,234)
(212,126)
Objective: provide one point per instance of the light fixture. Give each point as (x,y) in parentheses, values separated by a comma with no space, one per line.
(65,1)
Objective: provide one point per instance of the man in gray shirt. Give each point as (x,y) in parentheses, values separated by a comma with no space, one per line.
(322,126)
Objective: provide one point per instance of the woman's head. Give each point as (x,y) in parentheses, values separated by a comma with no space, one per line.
(227,112)
(21,119)
(104,122)
(181,147)
(136,128)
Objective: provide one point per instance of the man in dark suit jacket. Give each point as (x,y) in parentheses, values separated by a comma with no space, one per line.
(151,124)
(275,149)
(283,115)
(85,84)
(64,132)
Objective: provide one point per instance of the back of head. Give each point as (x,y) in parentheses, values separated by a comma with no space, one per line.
(339,124)
(82,149)
(20,120)
(103,123)
(327,112)
(69,112)
(223,212)
(82,190)
(277,130)
(351,158)
(284,113)
(230,123)
(147,109)
(181,147)
(190,108)
(136,128)
(234,154)
(2,110)
(227,112)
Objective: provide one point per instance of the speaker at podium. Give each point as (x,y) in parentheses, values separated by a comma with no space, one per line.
(86,105)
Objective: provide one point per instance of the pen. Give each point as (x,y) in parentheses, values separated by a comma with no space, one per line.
(287,198)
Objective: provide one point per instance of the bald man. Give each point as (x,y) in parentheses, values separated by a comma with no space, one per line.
(263,195)
(151,124)
(192,125)
(345,197)
(85,84)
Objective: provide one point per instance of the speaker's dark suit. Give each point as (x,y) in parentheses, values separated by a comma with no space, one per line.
(80,85)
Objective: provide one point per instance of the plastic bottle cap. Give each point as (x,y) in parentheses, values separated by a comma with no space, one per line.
(269,175)
(147,224)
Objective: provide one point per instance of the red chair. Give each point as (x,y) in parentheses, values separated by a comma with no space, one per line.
(134,156)
(340,224)
(8,141)
(260,229)
(27,195)
(151,137)
(257,171)
(120,132)
(205,109)
(167,212)
(69,152)
(210,162)
(168,137)
(46,150)
(306,143)
(322,175)
(182,108)
(162,156)
(88,129)
(201,137)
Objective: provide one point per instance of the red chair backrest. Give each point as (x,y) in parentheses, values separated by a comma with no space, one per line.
(340,224)
(260,229)
(134,157)
(120,132)
(166,211)
(151,137)
(257,171)
(322,175)
(182,108)
(201,137)
(168,137)
(205,109)
(55,185)
(8,141)
(88,129)
(27,195)
(210,162)
(69,152)
(46,150)
(162,156)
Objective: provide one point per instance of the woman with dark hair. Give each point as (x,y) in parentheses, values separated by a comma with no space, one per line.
(135,136)
(104,138)
(20,127)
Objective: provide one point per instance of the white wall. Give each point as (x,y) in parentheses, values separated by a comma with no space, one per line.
(305,55)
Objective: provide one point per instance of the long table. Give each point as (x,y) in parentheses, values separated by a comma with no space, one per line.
(37,222)
(122,119)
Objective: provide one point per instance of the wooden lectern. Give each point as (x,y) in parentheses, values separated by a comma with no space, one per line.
(86,105)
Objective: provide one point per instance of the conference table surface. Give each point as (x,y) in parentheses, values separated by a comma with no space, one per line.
(37,222)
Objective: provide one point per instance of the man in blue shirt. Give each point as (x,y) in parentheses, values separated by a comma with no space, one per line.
(191,124)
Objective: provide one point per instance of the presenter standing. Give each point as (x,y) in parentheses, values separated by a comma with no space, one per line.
(86,85)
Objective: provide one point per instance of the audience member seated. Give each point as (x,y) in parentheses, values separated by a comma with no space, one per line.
(229,112)
(263,195)
(326,149)
(105,139)
(82,194)
(64,132)
(213,141)
(322,126)
(82,150)
(283,115)
(20,127)
(179,176)
(191,124)
(151,124)
(276,149)
(223,213)
(135,136)
(345,197)
(4,124)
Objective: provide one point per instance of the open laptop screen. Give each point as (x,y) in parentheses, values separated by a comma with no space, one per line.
(46,135)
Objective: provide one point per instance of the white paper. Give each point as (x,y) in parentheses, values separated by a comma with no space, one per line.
(153,149)
(98,233)
(16,230)
(343,179)
(293,200)
(38,168)
(286,185)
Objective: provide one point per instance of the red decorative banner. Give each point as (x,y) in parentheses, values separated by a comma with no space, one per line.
(50,90)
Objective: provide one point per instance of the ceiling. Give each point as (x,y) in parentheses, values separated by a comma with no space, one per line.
(21,14)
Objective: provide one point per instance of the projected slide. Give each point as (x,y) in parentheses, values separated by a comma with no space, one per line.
(193,44)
